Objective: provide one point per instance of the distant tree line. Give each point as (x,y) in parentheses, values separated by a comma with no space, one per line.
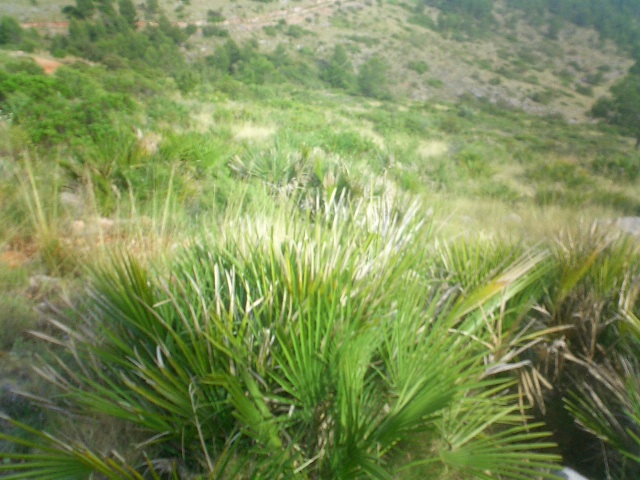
(71,107)
(10,31)
(478,9)
(463,18)
(618,20)
(81,105)
(105,31)
(250,66)
(13,36)
(622,107)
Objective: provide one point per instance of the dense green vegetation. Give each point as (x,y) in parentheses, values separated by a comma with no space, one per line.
(67,108)
(613,19)
(468,16)
(266,359)
(622,107)
(264,262)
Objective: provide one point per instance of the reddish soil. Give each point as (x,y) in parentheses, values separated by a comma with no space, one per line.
(13,259)
(49,66)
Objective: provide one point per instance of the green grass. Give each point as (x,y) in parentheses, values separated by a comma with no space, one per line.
(221,233)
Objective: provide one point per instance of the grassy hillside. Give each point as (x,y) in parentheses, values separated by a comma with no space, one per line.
(314,240)
(510,61)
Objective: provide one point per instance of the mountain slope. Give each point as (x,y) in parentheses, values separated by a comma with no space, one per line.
(510,62)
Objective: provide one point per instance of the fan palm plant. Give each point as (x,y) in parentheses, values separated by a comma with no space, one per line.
(319,349)
(606,402)
(513,334)
(594,292)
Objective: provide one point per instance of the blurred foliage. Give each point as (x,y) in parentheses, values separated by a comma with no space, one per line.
(10,31)
(135,125)
(373,78)
(622,107)
(70,107)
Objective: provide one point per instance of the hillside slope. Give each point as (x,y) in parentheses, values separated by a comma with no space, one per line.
(512,63)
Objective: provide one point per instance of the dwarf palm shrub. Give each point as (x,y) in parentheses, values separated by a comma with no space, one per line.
(513,334)
(311,348)
(604,393)
(591,291)
(607,404)
(593,283)
(308,176)
(570,337)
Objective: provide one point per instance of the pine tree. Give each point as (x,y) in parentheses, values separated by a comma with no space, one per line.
(339,71)
(372,78)
(151,8)
(85,8)
(10,31)
(128,11)
(622,108)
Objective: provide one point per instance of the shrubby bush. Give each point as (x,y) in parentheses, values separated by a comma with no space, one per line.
(10,31)
(419,66)
(252,67)
(24,65)
(151,8)
(321,349)
(214,30)
(372,78)
(338,70)
(613,19)
(214,16)
(481,10)
(83,9)
(622,107)
(111,36)
(127,11)
(70,107)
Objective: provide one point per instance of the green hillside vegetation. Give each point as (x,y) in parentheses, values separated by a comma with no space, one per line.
(374,240)
(519,64)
